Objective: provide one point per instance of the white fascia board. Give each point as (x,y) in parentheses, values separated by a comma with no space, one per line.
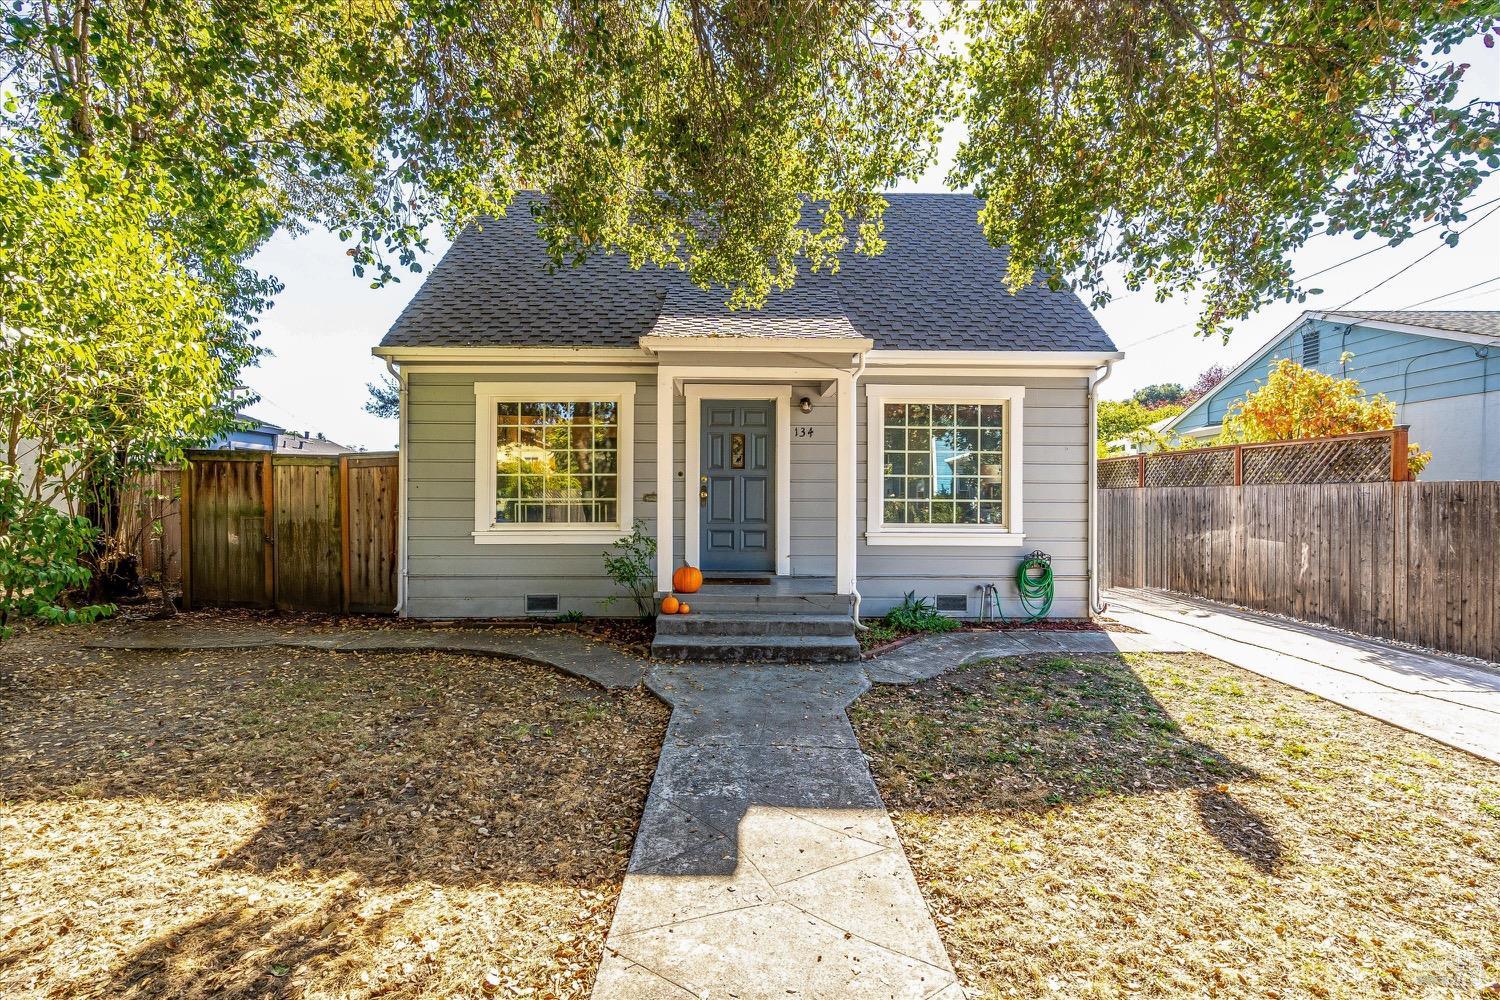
(997,359)
(823,345)
(460,355)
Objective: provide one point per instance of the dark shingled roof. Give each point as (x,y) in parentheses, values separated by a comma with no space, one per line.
(938,286)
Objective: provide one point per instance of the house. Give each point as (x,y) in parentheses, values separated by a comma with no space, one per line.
(256,434)
(903,425)
(1440,368)
(295,443)
(250,434)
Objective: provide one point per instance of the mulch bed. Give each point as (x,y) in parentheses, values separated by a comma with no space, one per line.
(1169,825)
(298,823)
(875,645)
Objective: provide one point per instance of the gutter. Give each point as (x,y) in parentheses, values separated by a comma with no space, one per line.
(399,374)
(1095,606)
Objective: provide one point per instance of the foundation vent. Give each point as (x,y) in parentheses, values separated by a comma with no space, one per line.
(953,602)
(541,604)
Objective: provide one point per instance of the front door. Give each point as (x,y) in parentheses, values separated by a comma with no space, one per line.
(736,495)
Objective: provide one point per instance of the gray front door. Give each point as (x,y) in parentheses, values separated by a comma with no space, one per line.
(737,494)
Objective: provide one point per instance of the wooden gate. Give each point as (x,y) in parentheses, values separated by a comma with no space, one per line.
(297,532)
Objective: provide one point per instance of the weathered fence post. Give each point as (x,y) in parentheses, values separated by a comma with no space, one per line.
(185,514)
(1400,457)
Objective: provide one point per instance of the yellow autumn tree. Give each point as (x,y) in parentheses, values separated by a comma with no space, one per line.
(1298,402)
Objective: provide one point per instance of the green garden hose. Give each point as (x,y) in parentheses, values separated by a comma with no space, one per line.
(1034,584)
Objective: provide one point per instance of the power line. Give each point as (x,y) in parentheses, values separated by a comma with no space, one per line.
(1446,295)
(1336,266)
(1414,263)
(1388,246)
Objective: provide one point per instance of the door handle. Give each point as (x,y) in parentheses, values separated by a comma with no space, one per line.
(703,490)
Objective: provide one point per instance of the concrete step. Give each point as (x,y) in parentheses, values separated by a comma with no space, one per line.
(757,601)
(752,623)
(757,648)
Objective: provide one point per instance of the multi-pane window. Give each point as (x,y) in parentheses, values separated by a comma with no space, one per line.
(943,463)
(557,462)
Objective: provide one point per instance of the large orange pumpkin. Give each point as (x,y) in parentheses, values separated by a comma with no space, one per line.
(687,580)
(669,605)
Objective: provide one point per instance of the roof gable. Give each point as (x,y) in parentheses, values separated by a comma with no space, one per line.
(1466,327)
(939,285)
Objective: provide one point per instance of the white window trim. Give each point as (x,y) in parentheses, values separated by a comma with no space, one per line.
(877,532)
(694,394)
(486,396)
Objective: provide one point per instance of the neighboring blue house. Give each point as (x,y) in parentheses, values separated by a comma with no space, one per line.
(255,435)
(1440,368)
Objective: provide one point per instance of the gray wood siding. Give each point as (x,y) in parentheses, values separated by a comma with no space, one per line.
(450,575)
(1054,497)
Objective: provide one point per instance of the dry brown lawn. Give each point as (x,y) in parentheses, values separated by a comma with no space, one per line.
(1173,826)
(309,824)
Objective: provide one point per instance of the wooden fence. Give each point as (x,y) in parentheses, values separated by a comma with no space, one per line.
(1413,561)
(253,529)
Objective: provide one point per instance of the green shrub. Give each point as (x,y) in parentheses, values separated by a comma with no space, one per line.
(40,553)
(916,614)
(631,563)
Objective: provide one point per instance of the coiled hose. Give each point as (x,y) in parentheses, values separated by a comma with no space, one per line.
(1034,584)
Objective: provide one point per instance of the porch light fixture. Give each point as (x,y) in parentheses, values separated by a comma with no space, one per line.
(805,405)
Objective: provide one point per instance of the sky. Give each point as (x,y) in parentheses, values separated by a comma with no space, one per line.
(324,324)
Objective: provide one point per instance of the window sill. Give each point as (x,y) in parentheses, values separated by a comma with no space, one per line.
(549,535)
(945,536)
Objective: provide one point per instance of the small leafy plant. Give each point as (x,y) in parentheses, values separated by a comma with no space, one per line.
(41,553)
(631,563)
(916,614)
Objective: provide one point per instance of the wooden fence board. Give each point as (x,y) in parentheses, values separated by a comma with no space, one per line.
(308,557)
(374,502)
(1419,562)
(330,543)
(229,532)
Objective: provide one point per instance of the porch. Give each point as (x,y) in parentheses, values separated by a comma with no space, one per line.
(766,619)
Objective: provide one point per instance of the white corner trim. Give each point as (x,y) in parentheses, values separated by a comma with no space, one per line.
(486,395)
(665,466)
(695,393)
(876,530)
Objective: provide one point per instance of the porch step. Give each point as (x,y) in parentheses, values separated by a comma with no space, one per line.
(757,648)
(757,623)
(759,600)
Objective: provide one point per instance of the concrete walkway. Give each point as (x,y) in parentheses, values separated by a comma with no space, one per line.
(765,864)
(1451,701)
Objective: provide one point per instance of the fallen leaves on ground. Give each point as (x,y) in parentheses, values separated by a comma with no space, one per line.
(1166,826)
(297,823)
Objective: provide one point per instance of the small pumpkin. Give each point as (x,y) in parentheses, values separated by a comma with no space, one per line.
(669,605)
(683,609)
(687,579)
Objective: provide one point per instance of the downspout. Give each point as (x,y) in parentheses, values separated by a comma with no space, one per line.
(1095,606)
(854,521)
(399,374)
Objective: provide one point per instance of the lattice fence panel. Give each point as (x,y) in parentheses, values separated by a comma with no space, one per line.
(1119,473)
(1336,460)
(1195,467)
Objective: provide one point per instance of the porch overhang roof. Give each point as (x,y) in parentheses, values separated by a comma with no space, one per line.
(657,344)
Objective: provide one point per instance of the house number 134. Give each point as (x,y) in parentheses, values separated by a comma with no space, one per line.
(803,432)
